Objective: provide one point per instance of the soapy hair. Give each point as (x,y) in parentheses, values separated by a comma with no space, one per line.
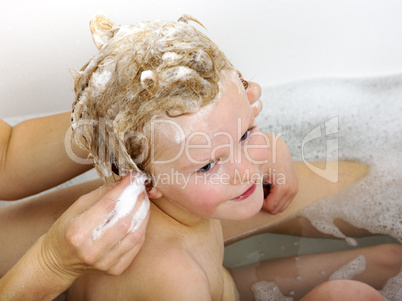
(145,71)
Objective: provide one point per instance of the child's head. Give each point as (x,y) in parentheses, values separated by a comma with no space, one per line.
(145,71)
(170,72)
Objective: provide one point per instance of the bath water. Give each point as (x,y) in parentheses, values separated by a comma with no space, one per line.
(357,119)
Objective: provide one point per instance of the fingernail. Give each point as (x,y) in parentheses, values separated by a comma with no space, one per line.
(255,104)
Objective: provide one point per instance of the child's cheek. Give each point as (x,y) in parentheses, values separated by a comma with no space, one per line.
(208,198)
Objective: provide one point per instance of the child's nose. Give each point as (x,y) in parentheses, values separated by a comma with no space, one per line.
(242,170)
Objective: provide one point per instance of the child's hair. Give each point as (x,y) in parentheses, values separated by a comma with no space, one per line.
(144,71)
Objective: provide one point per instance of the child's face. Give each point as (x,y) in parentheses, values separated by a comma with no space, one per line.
(209,163)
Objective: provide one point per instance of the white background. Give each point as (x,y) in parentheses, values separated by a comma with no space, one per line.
(269,41)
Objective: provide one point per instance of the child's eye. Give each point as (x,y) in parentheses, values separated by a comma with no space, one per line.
(207,167)
(246,134)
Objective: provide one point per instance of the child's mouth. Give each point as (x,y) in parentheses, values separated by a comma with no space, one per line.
(246,194)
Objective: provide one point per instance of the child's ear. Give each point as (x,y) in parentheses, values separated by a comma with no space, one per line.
(154,193)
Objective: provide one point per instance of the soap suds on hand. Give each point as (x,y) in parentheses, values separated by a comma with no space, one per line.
(124,205)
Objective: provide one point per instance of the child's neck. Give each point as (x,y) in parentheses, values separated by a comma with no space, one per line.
(178,214)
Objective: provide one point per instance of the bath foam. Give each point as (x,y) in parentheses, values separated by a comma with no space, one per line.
(369,112)
(392,290)
(124,205)
(351,269)
(268,291)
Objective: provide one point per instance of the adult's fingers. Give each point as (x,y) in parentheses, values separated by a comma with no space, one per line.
(89,199)
(279,199)
(253,92)
(123,253)
(272,201)
(124,261)
(95,232)
(112,232)
(100,210)
(257,107)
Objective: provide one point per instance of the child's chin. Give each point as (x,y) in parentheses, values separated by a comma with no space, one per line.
(252,210)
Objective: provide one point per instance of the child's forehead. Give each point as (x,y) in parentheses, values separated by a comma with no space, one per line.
(230,112)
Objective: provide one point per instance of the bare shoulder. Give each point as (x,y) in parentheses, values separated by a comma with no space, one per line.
(170,274)
(166,268)
(162,270)
(5,133)
(164,274)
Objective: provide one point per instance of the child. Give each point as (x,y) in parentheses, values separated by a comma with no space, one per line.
(161,99)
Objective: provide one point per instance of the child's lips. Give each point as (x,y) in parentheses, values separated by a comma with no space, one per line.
(246,194)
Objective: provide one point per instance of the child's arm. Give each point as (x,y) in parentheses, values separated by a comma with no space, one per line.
(280,172)
(33,157)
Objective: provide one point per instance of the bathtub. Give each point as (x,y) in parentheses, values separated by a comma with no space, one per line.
(368,115)
(357,119)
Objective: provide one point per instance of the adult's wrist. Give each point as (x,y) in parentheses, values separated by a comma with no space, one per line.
(36,276)
(52,267)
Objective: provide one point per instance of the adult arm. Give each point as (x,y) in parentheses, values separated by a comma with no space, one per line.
(68,250)
(33,157)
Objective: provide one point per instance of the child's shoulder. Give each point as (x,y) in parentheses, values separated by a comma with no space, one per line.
(164,269)
(167,271)
(171,275)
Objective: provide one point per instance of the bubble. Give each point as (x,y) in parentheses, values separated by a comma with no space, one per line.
(299,278)
(291,293)
(351,269)
(392,290)
(370,132)
(268,291)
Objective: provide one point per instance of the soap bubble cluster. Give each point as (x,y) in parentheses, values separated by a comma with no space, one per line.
(268,291)
(370,132)
(369,112)
(351,269)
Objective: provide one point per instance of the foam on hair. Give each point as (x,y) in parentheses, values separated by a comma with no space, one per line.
(148,70)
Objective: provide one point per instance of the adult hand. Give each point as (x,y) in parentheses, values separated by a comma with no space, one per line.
(280,174)
(70,248)
(279,171)
(253,92)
